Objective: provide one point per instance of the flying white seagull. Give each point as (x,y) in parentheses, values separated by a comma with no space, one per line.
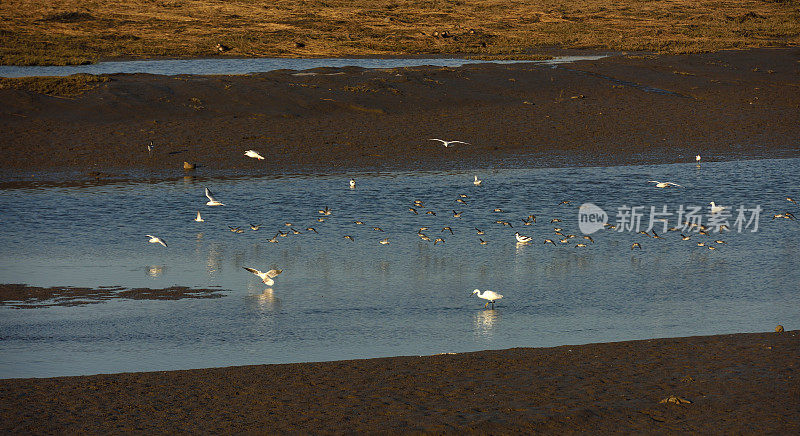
(663,184)
(489,296)
(211,200)
(199,219)
(697,158)
(448,143)
(254,154)
(265,277)
(156,240)
(477,182)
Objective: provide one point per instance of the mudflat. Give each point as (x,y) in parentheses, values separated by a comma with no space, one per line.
(725,384)
(76,31)
(618,110)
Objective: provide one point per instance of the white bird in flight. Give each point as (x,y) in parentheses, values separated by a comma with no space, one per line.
(211,200)
(156,240)
(477,182)
(448,143)
(199,219)
(254,154)
(522,239)
(697,158)
(715,208)
(265,277)
(663,184)
(489,296)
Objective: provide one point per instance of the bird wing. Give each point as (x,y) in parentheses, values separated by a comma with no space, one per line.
(674,184)
(252,270)
(150,236)
(437,139)
(273,272)
(208,194)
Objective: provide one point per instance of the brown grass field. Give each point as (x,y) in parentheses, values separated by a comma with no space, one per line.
(80,31)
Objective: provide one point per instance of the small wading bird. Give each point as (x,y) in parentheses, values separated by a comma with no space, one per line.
(352,183)
(663,184)
(522,239)
(697,159)
(211,200)
(477,182)
(199,219)
(489,296)
(265,277)
(156,240)
(254,154)
(448,143)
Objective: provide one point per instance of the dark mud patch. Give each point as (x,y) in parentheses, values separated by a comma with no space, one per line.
(21,296)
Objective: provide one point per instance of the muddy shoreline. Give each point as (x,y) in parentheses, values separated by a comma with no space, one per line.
(22,296)
(723,384)
(617,110)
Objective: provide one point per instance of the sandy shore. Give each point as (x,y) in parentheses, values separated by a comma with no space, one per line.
(622,109)
(726,384)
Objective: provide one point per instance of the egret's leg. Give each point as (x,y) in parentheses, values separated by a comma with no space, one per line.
(484,306)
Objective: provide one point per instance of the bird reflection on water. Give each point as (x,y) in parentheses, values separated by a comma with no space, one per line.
(265,299)
(154,271)
(484,323)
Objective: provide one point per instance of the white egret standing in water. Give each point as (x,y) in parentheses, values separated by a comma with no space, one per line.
(489,296)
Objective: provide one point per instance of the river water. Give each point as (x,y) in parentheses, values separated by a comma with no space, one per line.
(217,66)
(338,299)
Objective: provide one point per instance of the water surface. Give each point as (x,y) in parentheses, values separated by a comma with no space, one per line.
(224,66)
(338,299)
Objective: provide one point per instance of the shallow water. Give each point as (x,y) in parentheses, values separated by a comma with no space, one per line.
(216,66)
(338,299)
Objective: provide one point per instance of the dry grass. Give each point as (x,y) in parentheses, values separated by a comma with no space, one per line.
(69,86)
(77,31)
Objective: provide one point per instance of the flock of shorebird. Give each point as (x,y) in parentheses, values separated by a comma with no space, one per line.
(417,207)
